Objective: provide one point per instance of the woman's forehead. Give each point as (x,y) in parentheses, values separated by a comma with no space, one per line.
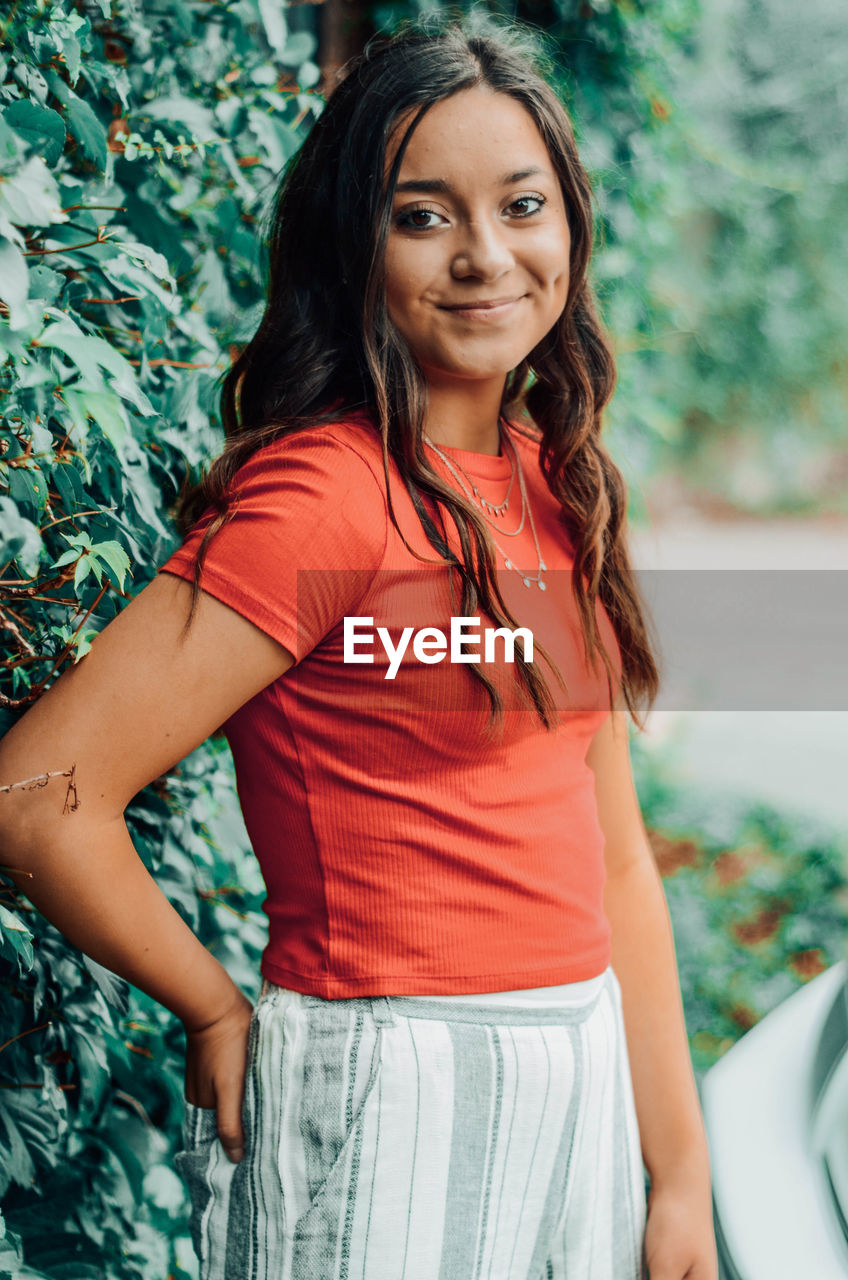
(477,128)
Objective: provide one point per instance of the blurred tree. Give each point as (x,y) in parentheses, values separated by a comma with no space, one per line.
(755,282)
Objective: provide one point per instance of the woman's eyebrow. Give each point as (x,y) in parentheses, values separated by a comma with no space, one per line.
(439,184)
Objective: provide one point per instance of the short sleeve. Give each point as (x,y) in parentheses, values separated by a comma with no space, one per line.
(308,535)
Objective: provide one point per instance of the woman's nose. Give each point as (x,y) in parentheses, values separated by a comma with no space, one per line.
(482,252)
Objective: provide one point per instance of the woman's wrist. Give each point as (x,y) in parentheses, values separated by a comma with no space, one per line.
(686,1167)
(220,999)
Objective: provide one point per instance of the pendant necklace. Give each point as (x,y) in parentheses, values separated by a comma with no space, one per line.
(484,502)
(525,509)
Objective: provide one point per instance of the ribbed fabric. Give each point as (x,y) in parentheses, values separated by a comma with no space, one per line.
(404,853)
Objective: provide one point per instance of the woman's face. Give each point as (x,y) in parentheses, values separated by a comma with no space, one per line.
(477,256)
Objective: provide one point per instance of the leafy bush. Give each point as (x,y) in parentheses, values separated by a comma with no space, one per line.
(137,149)
(758,900)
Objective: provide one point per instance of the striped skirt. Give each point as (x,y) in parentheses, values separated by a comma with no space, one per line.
(410,1138)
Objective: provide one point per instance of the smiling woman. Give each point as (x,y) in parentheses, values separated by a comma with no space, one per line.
(476,277)
(470,1033)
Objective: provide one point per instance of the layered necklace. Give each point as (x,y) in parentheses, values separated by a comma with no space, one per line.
(488,509)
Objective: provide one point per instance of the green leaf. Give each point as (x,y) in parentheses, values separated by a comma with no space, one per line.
(61,481)
(188,112)
(67,32)
(83,642)
(14,276)
(81,539)
(16,1163)
(156,263)
(88,131)
(133,279)
(15,939)
(46,284)
(299,47)
(10,1251)
(90,355)
(28,488)
(20,539)
(82,122)
(105,408)
(11,145)
(308,75)
(274,22)
(115,989)
(85,566)
(30,197)
(67,557)
(42,128)
(115,557)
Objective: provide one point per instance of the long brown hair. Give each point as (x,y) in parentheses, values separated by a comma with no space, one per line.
(326,345)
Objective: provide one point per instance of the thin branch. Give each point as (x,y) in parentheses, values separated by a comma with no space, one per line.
(107,302)
(65,248)
(27,1085)
(9,625)
(24,588)
(174,364)
(21,1034)
(74,514)
(117,208)
(34,693)
(136,1106)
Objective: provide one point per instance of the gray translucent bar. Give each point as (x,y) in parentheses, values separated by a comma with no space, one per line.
(749,640)
(724,640)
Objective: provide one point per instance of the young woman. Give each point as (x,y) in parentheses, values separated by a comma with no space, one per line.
(470,1033)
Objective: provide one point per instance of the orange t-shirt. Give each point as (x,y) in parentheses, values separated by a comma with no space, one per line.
(402,852)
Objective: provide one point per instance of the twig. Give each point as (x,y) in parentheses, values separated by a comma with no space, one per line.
(133,297)
(65,248)
(174,364)
(21,1034)
(27,1085)
(41,780)
(135,1104)
(116,208)
(9,625)
(67,649)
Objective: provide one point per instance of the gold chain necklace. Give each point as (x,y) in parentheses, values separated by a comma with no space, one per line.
(525,507)
(484,502)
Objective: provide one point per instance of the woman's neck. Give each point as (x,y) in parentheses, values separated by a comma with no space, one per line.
(465,417)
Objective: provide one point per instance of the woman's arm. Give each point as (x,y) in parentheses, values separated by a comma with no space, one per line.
(679,1238)
(136,704)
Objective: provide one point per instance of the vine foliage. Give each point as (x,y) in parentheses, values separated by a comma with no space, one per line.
(139,144)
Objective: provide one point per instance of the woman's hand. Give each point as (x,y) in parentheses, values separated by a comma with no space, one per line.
(216,1062)
(679,1236)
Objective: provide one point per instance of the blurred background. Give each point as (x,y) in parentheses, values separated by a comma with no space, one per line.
(139,146)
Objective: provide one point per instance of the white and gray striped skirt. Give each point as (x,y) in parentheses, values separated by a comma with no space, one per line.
(418,1138)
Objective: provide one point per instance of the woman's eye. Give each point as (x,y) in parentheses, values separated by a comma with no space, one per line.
(539,201)
(416,219)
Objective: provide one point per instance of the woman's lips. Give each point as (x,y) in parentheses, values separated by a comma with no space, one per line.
(496,309)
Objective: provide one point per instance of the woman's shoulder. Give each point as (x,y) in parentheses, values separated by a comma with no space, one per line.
(351,443)
(355,432)
(341,452)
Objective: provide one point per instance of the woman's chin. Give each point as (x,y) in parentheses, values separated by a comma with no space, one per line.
(469,368)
